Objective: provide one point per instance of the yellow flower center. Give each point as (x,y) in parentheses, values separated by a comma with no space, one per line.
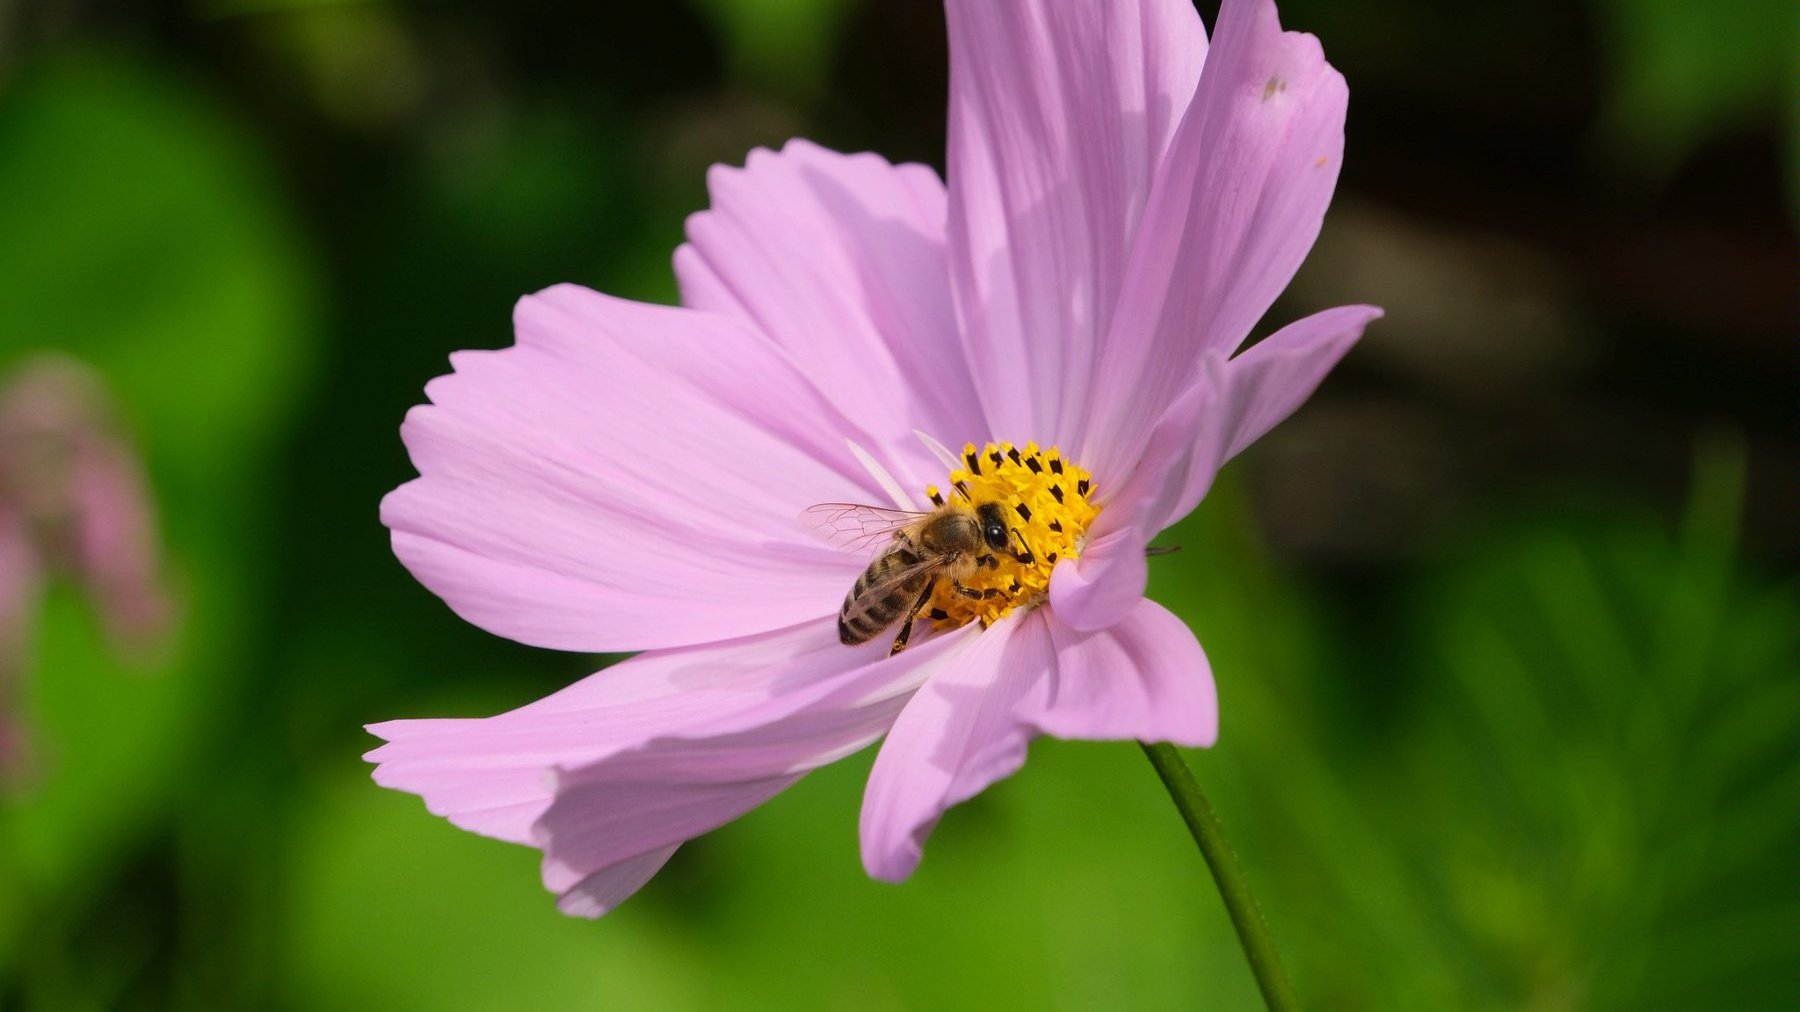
(1047,501)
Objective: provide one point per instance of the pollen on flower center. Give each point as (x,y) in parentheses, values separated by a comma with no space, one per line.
(1048,504)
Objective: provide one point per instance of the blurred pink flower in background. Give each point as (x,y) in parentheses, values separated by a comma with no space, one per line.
(1122,207)
(18,593)
(73,502)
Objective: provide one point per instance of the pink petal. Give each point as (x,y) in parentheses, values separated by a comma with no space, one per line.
(957,735)
(73,484)
(1144,678)
(608,776)
(1267,383)
(1235,208)
(1255,392)
(1228,406)
(19,587)
(1059,115)
(841,260)
(1107,580)
(625,477)
(600,892)
(116,543)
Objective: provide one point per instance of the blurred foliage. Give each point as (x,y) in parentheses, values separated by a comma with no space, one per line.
(1543,761)
(783,45)
(1583,803)
(157,253)
(1685,73)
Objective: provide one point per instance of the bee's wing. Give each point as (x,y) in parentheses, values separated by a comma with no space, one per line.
(898,581)
(900,578)
(852,526)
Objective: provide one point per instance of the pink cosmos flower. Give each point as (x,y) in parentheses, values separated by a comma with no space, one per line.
(73,499)
(1122,206)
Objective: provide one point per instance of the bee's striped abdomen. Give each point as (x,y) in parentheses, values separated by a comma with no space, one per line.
(876,601)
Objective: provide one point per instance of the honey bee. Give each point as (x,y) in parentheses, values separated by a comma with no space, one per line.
(946,544)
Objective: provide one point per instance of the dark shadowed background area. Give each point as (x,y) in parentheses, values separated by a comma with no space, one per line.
(1502,620)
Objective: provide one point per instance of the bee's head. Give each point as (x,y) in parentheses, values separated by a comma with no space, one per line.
(993,526)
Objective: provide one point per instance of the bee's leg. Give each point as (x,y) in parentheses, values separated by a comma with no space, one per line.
(968,592)
(1028,558)
(912,615)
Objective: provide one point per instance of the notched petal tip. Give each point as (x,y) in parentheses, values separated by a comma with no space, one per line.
(535,462)
(562,292)
(895,864)
(610,775)
(602,892)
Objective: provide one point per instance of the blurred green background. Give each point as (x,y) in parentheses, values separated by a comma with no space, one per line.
(1503,620)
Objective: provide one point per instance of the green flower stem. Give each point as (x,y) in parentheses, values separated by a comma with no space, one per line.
(1246,916)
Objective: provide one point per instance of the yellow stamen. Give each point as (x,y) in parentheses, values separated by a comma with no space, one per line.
(1047,501)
